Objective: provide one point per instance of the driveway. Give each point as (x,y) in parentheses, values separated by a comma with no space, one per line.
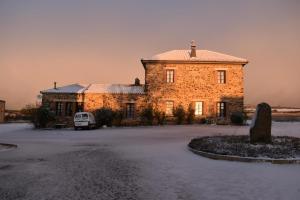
(135,163)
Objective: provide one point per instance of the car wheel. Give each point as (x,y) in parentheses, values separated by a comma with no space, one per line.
(75,128)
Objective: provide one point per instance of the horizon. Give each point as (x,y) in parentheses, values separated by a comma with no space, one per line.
(103,42)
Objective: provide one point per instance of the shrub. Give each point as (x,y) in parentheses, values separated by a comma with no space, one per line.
(237,118)
(118,117)
(179,114)
(160,117)
(190,115)
(41,117)
(147,115)
(104,116)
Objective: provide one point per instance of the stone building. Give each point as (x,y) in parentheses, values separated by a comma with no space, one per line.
(209,82)
(2,111)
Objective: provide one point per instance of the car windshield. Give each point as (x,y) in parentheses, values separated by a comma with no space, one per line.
(83,116)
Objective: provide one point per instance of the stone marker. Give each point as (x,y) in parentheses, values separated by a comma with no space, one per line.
(260,129)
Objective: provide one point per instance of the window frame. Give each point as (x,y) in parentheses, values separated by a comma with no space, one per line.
(221,109)
(169,108)
(69,109)
(130,110)
(170,75)
(221,76)
(197,110)
(58,108)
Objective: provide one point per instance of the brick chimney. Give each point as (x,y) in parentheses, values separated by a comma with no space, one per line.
(193,49)
(54,85)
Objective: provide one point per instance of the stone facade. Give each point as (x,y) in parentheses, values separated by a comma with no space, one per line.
(194,82)
(2,111)
(210,82)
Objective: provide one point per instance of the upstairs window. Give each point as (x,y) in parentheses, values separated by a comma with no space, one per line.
(169,107)
(170,76)
(198,108)
(221,109)
(58,110)
(221,76)
(129,110)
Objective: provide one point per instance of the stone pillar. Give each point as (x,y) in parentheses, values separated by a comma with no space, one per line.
(260,129)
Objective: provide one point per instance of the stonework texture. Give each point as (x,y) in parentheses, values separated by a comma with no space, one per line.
(195,82)
(2,111)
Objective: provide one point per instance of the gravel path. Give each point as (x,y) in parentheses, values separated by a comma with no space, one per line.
(135,163)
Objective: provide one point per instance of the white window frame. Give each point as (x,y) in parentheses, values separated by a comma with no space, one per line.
(221,75)
(169,108)
(199,108)
(170,75)
(221,109)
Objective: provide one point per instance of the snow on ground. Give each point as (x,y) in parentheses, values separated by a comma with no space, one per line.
(136,163)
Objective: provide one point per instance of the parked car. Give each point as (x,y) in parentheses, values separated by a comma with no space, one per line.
(84,120)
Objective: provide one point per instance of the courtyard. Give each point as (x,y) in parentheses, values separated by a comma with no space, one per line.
(135,163)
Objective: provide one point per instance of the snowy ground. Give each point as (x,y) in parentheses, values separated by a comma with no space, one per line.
(135,163)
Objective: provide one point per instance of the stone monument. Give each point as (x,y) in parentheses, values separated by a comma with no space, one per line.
(260,129)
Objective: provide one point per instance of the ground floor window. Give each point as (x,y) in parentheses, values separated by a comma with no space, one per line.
(221,109)
(69,109)
(169,107)
(58,109)
(198,108)
(130,110)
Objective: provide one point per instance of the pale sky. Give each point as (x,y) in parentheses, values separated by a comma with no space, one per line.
(89,41)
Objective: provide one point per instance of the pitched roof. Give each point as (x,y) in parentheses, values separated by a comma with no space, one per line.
(201,56)
(115,89)
(73,88)
(97,88)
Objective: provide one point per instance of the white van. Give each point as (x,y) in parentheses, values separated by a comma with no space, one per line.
(84,120)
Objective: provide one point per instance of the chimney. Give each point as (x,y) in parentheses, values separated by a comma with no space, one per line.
(55,85)
(193,49)
(137,82)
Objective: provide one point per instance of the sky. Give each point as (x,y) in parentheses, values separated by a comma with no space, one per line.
(102,41)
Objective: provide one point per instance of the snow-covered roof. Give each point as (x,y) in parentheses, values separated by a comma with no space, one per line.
(98,88)
(74,88)
(115,89)
(201,56)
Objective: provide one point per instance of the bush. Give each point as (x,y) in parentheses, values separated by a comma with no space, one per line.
(41,117)
(237,118)
(179,114)
(160,117)
(147,115)
(118,117)
(104,116)
(190,115)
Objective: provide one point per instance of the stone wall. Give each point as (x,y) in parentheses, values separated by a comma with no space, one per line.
(195,82)
(2,111)
(92,101)
(50,99)
(114,101)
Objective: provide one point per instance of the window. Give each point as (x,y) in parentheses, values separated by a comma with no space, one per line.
(170,76)
(130,110)
(198,108)
(58,110)
(69,109)
(169,107)
(221,109)
(222,76)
